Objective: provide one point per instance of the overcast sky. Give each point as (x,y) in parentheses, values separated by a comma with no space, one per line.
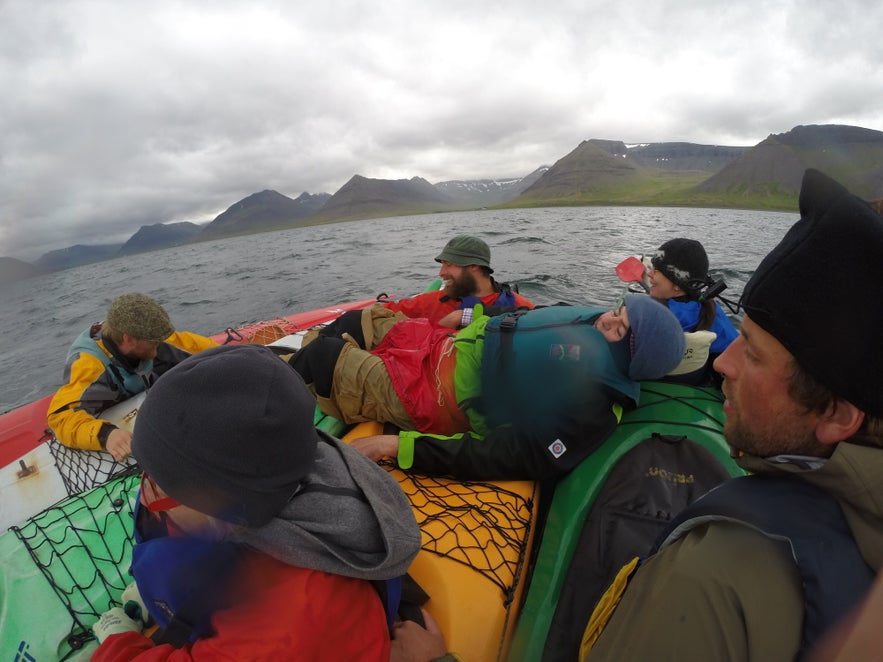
(117,114)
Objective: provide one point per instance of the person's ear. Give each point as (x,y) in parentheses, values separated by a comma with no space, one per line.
(840,422)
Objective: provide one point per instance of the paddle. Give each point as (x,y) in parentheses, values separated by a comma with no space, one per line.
(631,270)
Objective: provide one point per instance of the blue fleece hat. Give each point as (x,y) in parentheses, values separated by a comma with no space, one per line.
(657,340)
(228,432)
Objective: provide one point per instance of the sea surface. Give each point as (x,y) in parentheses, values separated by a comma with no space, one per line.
(552,254)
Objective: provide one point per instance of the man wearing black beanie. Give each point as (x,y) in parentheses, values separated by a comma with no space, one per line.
(762,566)
(258,536)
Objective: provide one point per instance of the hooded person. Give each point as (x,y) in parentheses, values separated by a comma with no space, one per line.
(763,565)
(254,526)
(111,362)
(526,395)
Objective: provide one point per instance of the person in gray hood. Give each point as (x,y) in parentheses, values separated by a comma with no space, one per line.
(253,526)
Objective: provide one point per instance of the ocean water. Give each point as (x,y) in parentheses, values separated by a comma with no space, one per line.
(552,254)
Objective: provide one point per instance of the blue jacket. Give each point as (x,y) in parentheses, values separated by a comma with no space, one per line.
(687,313)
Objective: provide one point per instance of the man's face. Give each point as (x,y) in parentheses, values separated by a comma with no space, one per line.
(613,324)
(459,281)
(762,418)
(135,348)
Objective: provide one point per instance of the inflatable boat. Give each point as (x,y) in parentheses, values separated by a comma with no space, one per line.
(496,556)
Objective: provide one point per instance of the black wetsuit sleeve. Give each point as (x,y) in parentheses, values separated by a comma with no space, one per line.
(508,453)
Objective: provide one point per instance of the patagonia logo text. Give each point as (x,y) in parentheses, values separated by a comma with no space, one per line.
(670,476)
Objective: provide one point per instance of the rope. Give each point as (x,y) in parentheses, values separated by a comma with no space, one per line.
(448,350)
(83,547)
(82,470)
(480,525)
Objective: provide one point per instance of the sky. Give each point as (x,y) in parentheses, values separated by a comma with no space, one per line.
(117,114)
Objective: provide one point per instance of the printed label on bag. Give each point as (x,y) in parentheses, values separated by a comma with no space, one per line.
(557,448)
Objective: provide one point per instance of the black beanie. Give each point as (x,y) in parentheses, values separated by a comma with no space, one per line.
(228,432)
(684,262)
(811,292)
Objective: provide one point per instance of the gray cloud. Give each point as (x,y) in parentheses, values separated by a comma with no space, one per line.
(117,114)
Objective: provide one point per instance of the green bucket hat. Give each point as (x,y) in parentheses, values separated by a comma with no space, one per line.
(140,317)
(464,250)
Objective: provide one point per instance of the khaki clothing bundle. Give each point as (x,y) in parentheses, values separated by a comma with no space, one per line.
(358,375)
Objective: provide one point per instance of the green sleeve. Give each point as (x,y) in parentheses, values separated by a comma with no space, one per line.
(405,457)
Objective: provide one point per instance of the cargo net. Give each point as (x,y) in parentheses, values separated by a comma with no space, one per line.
(262,333)
(83,547)
(480,525)
(83,470)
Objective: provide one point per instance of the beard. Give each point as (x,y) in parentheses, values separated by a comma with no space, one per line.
(462,286)
(781,440)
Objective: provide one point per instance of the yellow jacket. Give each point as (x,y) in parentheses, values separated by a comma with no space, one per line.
(98,377)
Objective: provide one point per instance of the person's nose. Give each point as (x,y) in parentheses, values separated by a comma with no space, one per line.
(725,362)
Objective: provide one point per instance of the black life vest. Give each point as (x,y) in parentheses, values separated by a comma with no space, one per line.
(834,574)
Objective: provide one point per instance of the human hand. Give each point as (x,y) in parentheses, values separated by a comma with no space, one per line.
(452,320)
(133,605)
(377,446)
(114,621)
(413,643)
(119,444)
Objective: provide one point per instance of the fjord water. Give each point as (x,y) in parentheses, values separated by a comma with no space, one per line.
(553,254)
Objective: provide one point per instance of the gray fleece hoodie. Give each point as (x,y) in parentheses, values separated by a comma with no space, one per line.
(350,517)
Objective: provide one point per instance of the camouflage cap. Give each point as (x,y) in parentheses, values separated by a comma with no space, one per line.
(140,317)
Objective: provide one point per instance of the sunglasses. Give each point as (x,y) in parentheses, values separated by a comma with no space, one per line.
(151,499)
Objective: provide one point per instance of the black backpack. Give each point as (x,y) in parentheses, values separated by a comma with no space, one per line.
(646,488)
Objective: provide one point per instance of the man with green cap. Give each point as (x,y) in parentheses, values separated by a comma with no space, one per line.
(760,567)
(466,276)
(467,282)
(112,361)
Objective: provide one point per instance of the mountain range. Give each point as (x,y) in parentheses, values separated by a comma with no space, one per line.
(596,172)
